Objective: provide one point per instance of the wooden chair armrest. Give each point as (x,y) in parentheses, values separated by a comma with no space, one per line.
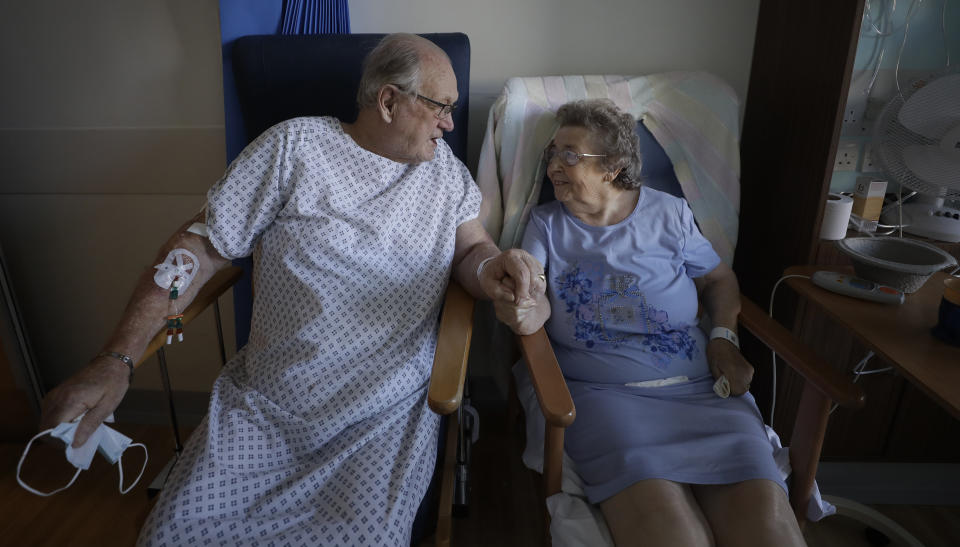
(801,358)
(453,347)
(552,393)
(211,290)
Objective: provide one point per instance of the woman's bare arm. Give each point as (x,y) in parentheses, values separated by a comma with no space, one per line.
(720,296)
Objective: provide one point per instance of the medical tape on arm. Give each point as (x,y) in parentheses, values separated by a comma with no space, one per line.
(179,268)
(174,274)
(200,229)
(174,265)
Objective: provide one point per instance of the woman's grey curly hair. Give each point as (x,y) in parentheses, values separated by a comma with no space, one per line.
(613,131)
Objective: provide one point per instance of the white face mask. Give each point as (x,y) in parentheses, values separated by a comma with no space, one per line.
(109,442)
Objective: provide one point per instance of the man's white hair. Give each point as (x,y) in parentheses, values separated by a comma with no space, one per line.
(396,60)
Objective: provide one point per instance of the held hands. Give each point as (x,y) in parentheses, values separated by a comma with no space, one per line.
(726,360)
(515,282)
(513,276)
(97,389)
(522,319)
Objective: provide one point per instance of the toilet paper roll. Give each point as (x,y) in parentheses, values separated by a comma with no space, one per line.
(836,215)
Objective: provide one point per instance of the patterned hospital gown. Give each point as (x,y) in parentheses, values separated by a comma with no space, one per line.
(318,431)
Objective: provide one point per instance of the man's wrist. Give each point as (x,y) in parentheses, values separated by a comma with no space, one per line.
(122,358)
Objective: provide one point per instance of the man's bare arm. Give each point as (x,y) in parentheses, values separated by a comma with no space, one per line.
(98,387)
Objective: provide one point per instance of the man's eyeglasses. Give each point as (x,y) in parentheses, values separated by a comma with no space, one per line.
(568,157)
(443,109)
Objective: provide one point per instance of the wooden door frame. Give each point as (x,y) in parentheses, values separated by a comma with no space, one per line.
(803,59)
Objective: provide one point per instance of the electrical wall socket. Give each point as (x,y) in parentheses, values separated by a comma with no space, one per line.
(853,112)
(857,120)
(847,156)
(869,165)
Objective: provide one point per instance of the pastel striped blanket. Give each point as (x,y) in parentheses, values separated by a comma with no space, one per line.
(693,115)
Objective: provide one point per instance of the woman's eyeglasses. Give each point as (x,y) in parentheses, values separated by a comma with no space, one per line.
(568,157)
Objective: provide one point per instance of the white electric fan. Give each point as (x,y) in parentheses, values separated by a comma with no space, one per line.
(917,141)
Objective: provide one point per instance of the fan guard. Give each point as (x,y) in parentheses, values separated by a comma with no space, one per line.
(918,137)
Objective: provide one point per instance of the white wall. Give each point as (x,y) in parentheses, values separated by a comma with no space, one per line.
(111,124)
(549,37)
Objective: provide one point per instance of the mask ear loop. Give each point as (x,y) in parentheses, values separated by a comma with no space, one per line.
(37,492)
(146,458)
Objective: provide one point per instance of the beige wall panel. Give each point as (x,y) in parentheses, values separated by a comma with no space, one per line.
(74,261)
(110,63)
(111,161)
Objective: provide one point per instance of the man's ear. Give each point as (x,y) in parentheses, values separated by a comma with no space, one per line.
(387,100)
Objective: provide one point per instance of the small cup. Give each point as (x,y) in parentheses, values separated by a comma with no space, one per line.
(948,318)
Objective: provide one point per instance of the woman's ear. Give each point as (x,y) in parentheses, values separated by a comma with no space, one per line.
(387,100)
(611,176)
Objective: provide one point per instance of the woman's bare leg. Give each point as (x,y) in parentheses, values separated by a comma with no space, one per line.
(656,512)
(754,512)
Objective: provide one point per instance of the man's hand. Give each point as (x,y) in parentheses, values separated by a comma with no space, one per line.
(726,360)
(97,389)
(514,276)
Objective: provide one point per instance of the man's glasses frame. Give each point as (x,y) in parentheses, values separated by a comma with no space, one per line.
(568,157)
(443,109)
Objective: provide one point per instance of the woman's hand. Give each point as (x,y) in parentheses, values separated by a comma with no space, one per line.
(720,296)
(526,317)
(725,359)
(97,389)
(522,319)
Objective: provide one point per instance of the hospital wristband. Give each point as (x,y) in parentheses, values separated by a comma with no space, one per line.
(482,264)
(125,359)
(726,334)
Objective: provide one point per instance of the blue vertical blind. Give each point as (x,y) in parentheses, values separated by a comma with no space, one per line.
(316,17)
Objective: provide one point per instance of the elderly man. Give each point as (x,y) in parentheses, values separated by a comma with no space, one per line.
(318,430)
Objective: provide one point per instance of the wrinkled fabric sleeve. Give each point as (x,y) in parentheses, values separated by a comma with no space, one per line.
(698,255)
(243,204)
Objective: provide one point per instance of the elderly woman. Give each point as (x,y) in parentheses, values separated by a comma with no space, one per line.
(668,459)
